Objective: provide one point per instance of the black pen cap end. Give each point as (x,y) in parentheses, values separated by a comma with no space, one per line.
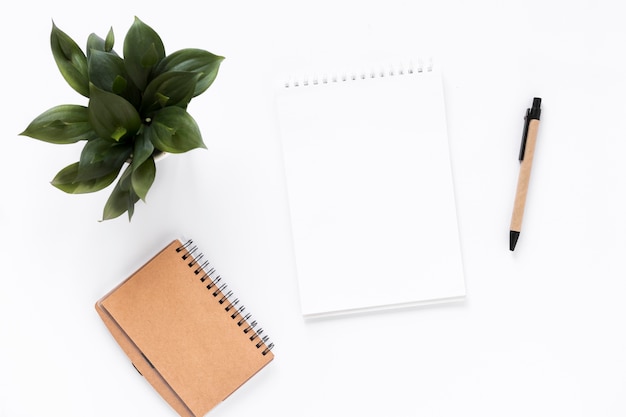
(513,236)
(535,112)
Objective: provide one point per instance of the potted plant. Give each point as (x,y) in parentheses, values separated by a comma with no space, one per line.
(136,111)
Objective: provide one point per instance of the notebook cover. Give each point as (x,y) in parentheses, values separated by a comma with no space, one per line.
(370,191)
(178,335)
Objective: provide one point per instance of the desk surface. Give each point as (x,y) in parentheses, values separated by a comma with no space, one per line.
(541,331)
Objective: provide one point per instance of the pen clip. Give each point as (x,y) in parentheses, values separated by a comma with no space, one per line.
(522,149)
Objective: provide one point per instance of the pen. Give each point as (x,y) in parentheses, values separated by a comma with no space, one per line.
(527,151)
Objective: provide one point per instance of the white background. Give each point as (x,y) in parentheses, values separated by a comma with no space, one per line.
(541,332)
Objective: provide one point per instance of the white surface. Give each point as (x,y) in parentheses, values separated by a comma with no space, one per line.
(541,331)
(370,192)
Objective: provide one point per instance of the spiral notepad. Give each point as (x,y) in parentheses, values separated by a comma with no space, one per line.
(184,331)
(370,189)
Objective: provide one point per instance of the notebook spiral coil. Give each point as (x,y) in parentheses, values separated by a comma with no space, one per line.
(402,70)
(225,297)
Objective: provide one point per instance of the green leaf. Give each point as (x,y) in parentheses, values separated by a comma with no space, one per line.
(104,67)
(143,149)
(96,43)
(193,60)
(122,198)
(62,124)
(143,177)
(66,181)
(109,41)
(111,116)
(70,59)
(143,48)
(151,57)
(101,157)
(169,89)
(108,72)
(174,130)
(119,86)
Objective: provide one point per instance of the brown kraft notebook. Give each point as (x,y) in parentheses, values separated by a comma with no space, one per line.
(184,331)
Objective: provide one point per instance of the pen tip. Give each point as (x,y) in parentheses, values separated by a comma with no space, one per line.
(513,236)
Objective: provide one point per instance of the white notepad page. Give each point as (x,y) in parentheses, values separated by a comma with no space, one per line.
(370,191)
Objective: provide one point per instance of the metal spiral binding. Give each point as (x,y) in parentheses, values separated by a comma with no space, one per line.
(207,273)
(401,70)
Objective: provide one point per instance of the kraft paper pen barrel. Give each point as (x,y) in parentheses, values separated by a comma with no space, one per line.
(527,152)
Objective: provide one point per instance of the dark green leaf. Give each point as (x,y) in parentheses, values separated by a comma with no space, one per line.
(158,134)
(143,177)
(173,88)
(143,149)
(122,199)
(66,181)
(111,116)
(108,72)
(104,67)
(95,42)
(143,49)
(71,60)
(101,157)
(151,57)
(120,85)
(193,60)
(67,123)
(174,130)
